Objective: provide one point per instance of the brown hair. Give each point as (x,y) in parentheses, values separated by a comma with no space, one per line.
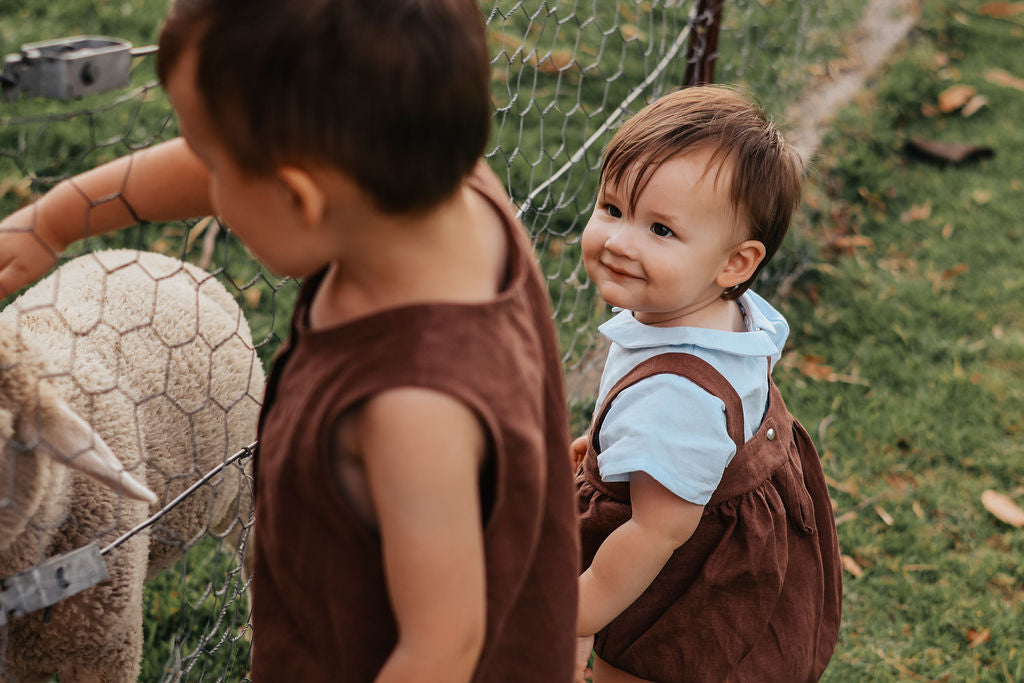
(393,93)
(767,173)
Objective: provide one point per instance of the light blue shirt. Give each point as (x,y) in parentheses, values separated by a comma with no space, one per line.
(666,425)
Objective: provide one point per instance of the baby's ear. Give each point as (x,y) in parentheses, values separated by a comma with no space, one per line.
(308,198)
(742,263)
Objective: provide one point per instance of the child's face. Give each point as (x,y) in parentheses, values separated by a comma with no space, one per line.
(259,209)
(662,263)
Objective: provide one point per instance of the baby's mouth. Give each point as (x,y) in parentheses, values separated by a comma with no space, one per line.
(615,270)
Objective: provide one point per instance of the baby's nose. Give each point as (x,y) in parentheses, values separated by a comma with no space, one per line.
(621,243)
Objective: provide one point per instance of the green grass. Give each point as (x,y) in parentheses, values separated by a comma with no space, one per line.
(922,324)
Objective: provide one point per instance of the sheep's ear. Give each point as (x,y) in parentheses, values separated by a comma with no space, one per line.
(76,444)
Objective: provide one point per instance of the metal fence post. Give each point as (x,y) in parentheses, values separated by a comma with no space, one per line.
(703,47)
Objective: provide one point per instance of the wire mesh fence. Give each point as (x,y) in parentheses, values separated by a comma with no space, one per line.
(564,75)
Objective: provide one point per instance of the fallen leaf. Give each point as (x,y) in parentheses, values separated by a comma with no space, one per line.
(947,152)
(982,196)
(947,231)
(1004,78)
(973,105)
(813,367)
(943,279)
(629,32)
(850,565)
(846,517)
(196,231)
(961,18)
(917,212)
(19,187)
(976,638)
(954,97)
(998,331)
(1001,10)
(918,510)
(883,515)
(556,61)
(950,273)
(252,297)
(1002,508)
(853,241)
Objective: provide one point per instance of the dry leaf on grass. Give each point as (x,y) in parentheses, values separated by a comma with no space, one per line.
(973,105)
(976,637)
(917,212)
(1004,78)
(555,62)
(1003,508)
(850,565)
(948,275)
(947,152)
(954,97)
(883,515)
(252,297)
(853,242)
(629,32)
(19,187)
(1001,10)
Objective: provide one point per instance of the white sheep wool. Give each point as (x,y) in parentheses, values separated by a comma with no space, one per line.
(123,374)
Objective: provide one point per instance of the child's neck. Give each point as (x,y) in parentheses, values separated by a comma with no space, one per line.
(456,252)
(716,314)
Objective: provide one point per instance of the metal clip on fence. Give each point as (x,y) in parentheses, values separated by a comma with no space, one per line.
(69,68)
(49,582)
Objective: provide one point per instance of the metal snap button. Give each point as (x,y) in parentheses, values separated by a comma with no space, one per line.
(770,434)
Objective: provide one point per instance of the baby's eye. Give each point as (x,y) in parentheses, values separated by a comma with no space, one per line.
(613,211)
(661,230)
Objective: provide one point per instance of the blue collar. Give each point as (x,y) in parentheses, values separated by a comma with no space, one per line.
(765,338)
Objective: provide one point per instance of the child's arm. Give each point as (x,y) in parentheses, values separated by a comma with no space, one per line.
(422,452)
(164,182)
(578,450)
(634,553)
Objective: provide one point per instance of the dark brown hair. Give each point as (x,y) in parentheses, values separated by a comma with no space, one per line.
(393,93)
(766,172)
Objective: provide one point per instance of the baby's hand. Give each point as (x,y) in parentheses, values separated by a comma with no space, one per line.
(27,250)
(578,451)
(584,646)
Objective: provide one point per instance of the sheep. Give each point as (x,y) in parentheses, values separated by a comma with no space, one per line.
(122,373)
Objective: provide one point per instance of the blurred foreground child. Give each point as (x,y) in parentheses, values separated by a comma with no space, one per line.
(414,516)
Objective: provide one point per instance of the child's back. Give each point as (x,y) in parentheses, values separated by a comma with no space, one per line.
(319,570)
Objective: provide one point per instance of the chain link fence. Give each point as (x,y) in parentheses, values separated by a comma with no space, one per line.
(565,74)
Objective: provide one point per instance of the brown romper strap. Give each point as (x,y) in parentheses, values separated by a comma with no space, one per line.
(689,366)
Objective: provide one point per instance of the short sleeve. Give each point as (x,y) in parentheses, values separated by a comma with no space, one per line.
(671,429)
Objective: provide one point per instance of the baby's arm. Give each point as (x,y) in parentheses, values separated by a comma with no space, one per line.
(164,182)
(422,451)
(633,554)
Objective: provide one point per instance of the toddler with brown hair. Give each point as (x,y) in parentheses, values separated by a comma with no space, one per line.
(709,545)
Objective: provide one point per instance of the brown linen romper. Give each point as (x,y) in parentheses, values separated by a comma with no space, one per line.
(755,594)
